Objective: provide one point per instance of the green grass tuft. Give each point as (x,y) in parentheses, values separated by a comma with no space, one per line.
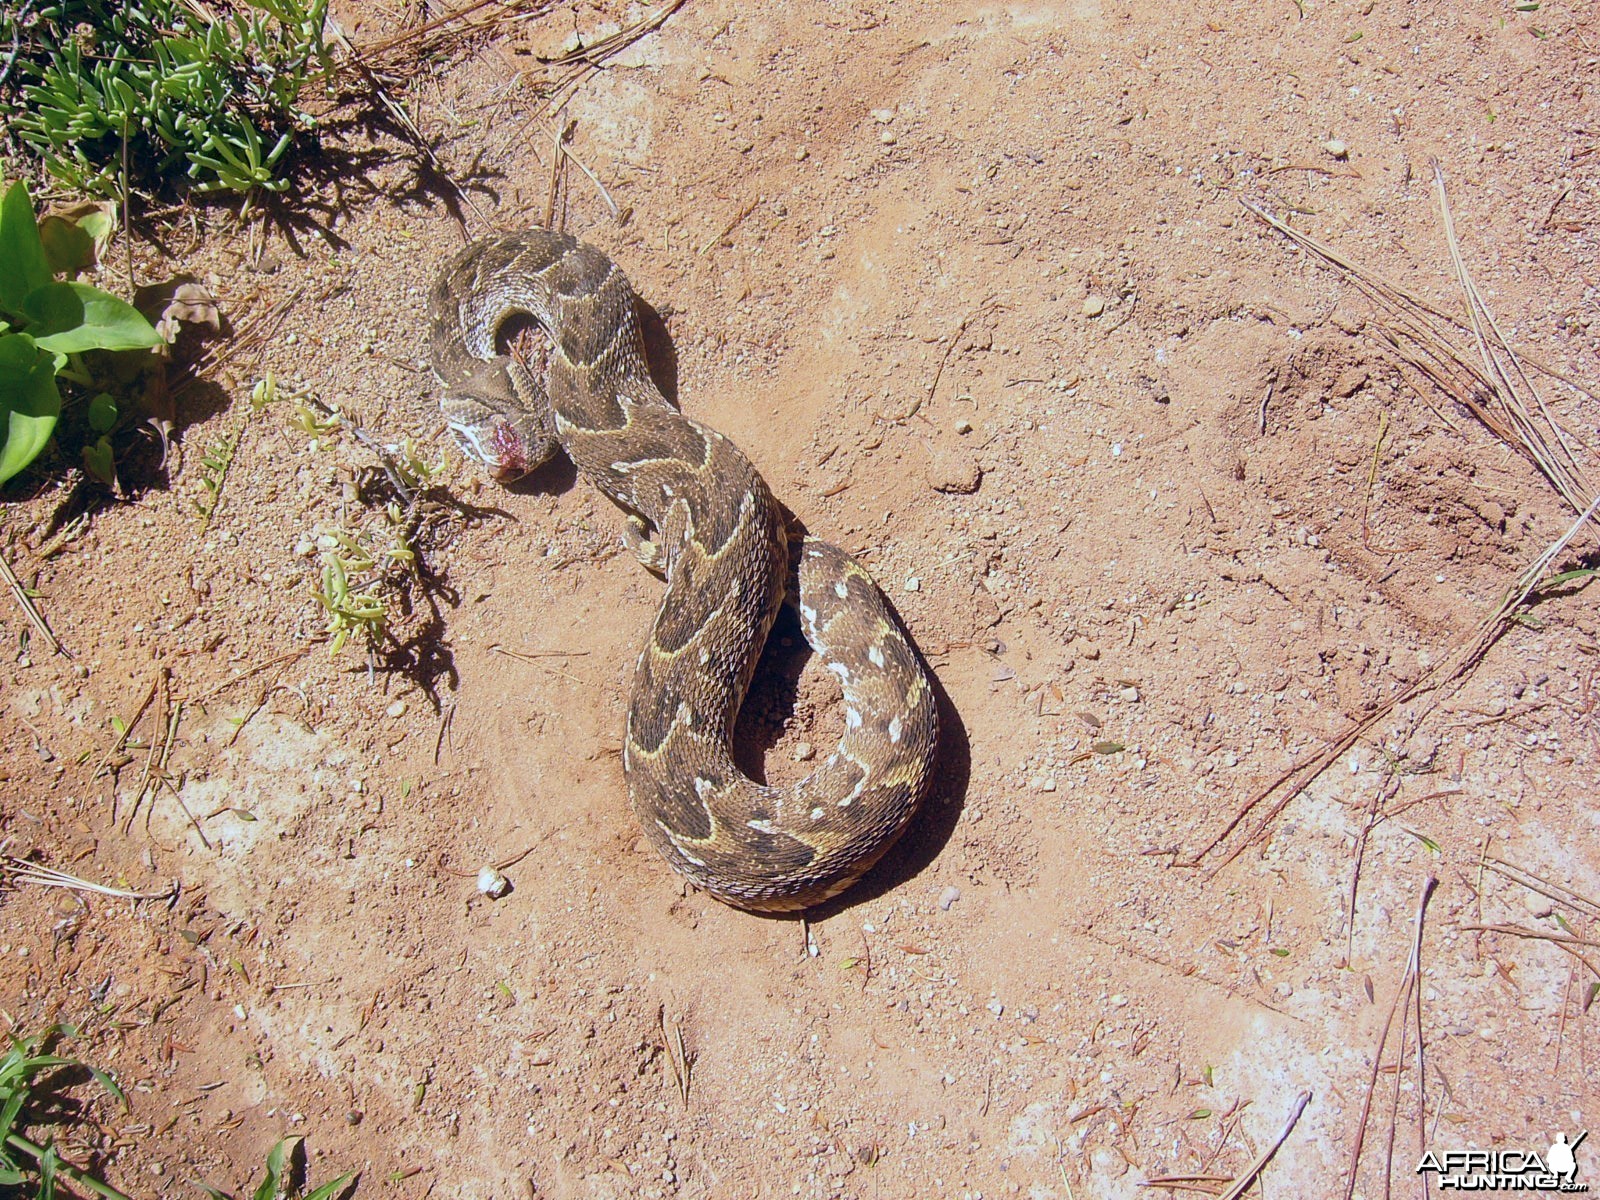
(208,94)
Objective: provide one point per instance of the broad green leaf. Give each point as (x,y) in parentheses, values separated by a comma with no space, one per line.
(1568,577)
(98,219)
(75,316)
(110,1085)
(23,266)
(29,402)
(8,1114)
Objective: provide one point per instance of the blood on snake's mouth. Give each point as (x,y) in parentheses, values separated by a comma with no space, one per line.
(510,455)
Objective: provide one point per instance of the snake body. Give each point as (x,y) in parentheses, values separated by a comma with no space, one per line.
(702,516)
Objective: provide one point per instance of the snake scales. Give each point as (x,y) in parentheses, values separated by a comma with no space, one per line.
(702,516)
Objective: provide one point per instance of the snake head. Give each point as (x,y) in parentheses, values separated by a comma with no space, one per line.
(508,443)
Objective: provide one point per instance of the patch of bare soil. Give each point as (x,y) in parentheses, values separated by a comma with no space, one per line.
(972,285)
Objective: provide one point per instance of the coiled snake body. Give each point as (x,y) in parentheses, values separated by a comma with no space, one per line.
(702,516)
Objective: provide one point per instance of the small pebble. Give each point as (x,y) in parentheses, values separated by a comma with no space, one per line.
(963,426)
(1130,694)
(995,1007)
(883,115)
(1119,1001)
(804,751)
(1093,306)
(492,883)
(397,709)
(948,897)
(887,137)
(1336,148)
(913,584)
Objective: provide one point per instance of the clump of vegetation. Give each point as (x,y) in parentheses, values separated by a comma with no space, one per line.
(25,1163)
(157,89)
(49,331)
(369,564)
(277,1179)
(358,570)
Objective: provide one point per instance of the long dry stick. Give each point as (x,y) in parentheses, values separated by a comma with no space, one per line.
(1375,814)
(1421,336)
(586,60)
(1242,1184)
(1402,995)
(677,1056)
(1555,460)
(451,24)
(215,690)
(408,127)
(1560,939)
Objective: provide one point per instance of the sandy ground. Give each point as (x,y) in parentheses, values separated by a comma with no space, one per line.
(973,286)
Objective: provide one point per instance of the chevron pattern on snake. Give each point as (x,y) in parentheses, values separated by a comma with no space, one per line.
(700,515)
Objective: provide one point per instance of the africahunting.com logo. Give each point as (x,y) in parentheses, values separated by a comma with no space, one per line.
(1556,1170)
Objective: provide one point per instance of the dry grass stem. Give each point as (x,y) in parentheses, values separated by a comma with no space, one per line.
(1548,444)
(401,117)
(1403,1001)
(1452,667)
(558,163)
(677,1056)
(537,660)
(716,240)
(1545,887)
(217,689)
(583,61)
(1206,1185)
(30,609)
(1243,1183)
(30,872)
(1421,336)
(458,23)
(617,214)
(1560,939)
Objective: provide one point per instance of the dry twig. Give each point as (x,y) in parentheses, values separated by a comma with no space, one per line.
(29,608)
